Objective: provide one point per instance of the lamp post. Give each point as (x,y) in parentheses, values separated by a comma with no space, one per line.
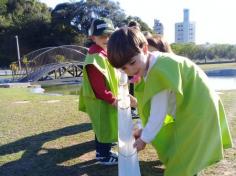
(18,51)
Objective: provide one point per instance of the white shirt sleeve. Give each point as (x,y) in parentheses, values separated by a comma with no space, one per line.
(159,105)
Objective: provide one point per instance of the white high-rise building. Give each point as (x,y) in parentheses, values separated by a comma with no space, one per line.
(185,31)
(158,27)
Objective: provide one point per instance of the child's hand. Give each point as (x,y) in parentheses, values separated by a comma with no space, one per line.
(115,103)
(137,133)
(139,144)
(133,101)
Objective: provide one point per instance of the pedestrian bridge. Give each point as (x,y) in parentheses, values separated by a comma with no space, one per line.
(54,71)
(51,63)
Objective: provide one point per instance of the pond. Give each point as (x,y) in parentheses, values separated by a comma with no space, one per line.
(224,79)
(5,80)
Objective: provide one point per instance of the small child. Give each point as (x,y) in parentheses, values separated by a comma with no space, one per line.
(99,91)
(182,115)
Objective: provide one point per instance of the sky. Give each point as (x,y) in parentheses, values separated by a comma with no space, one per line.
(215,19)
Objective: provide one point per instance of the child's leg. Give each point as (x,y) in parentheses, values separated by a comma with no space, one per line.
(104,155)
(102,149)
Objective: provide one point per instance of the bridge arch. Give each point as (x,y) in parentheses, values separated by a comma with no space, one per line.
(52,63)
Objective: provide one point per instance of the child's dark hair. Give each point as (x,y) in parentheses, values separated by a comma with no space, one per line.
(158,42)
(124,44)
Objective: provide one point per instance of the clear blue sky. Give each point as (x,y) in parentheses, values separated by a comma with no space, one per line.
(215,19)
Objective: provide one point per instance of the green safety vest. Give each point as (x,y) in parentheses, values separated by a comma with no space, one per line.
(196,137)
(103,115)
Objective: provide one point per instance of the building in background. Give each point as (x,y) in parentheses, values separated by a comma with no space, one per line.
(158,27)
(185,31)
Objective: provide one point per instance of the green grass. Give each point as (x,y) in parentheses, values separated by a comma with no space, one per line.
(217,66)
(39,137)
(47,135)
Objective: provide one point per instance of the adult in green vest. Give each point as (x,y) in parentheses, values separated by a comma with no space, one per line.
(182,115)
(99,91)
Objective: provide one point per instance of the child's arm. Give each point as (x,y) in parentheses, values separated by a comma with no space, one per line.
(139,144)
(98,85)
(133,101)
(158,111)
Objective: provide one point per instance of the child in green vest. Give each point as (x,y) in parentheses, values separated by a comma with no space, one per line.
(182,115)
(99,91)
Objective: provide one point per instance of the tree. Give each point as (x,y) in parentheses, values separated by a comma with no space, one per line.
(3,7)
(79,15)
(143,25)
(26,18)
(60,58)
(25,62)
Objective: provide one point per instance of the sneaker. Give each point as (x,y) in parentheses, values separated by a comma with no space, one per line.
(114,144)
(114,154)
(111,153)
(98,156)
(134,114)
(110,160)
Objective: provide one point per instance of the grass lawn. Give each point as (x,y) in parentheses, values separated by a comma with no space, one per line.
(45,135)
(218,66)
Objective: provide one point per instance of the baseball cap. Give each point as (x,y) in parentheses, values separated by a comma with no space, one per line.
(101,26)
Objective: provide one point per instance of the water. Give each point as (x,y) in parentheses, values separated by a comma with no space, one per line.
(222,73)
(223,83)
(5,80)
(224,79)
(219,80)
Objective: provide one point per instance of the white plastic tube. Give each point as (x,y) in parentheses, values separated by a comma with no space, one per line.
(128,164)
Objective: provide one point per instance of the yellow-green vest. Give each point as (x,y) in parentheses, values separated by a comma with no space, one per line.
(103,115)
(199,133)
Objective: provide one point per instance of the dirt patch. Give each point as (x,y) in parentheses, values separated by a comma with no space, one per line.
(21,102)
(51,101)
(87,156)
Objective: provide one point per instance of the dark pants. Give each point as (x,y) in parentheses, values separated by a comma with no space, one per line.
(102,148)
(131,90)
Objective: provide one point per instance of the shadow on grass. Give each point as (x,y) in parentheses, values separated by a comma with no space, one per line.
(150,168)
(39,161)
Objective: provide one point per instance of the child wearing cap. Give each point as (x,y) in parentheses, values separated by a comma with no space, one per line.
(182,115)
(99,91)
